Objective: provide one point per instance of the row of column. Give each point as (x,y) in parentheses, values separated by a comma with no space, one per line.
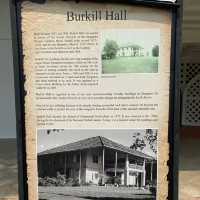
(126,171)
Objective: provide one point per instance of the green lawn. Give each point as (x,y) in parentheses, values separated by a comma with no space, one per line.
(130,65)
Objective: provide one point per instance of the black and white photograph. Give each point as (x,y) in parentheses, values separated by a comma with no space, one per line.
(78,164)
(130,51)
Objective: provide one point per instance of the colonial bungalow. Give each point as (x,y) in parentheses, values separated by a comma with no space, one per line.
(94,159)
(130,50)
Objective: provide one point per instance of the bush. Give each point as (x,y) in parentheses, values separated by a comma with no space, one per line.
(109,180)
(51,181)
(153,189)
(61,179)
(100,182)
(41,181)
(46,181)
(101,178)
(75,183)
(69,181)
(88,183)
(117,180)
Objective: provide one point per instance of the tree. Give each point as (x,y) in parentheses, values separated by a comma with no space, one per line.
(141,141)
(110,49)
(155,51)
(138,143)
(54,131)
(151,137)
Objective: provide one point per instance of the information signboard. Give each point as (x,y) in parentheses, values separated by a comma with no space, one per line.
(97,98)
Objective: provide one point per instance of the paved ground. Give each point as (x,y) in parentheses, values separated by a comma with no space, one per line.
(8,169)
(93,192)
(189,174)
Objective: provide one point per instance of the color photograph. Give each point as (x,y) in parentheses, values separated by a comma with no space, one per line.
(130,51)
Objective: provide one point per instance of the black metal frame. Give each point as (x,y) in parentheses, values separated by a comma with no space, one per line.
(19,99)
(174,109)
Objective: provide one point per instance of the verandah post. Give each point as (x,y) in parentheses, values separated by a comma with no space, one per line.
(103,164)
(79,178)
(126,171)
(144,173)
(65,163)
(115,163)
(151,171)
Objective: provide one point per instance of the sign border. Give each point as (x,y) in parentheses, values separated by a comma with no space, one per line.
(174,108)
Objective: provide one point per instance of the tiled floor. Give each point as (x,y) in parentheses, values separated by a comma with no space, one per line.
(189,185)
(189,175)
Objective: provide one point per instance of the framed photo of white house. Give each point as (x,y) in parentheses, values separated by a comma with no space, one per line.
(97,98)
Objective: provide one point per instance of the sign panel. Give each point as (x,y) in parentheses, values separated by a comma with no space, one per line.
(97,84)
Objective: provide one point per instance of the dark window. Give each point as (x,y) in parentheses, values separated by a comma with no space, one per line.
(95,159)
(96,176)
(76,158)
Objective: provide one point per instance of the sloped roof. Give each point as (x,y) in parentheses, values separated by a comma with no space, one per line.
(119,147)
(135,46)
(93,142)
